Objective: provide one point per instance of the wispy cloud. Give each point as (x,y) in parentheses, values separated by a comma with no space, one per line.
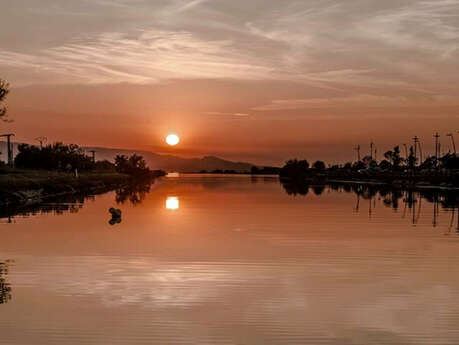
(367,100)
(226,114)
(334,45)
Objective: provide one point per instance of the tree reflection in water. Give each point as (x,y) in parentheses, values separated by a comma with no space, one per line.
(411,199)
(57,206)
(73,203)
(134,193)
(5,288)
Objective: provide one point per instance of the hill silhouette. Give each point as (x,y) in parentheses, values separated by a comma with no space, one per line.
(175,163)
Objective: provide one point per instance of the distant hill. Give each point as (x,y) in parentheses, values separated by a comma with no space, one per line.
(174,163)
(157,161)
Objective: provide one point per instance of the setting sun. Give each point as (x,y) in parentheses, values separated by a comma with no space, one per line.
(172,139)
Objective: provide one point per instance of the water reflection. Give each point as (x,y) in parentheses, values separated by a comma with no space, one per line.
(134,193)
(56,206)
(172,203)
(241,262)
(411,200)
(5,289)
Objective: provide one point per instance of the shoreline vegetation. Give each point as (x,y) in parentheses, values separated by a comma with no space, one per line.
(42,173)
(407,173)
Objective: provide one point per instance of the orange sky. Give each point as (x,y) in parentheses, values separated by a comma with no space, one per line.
(259,81)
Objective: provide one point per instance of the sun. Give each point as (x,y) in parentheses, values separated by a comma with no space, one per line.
(172,139)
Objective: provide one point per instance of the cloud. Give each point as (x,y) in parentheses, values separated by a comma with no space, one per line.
(366,100)
(334,45)
(150,57)
(227,114)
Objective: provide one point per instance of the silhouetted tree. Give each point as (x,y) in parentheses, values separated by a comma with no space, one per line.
(429,163)
(358,165)
(319,165)
(4,89)
(53,157)
(104,165)
(134,165)
(394,157)
(385,164)
(295,169)
(450,161)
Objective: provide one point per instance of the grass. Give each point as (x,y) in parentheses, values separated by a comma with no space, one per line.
(17,184)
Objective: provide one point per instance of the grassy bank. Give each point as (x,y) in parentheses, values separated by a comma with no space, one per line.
(29,186)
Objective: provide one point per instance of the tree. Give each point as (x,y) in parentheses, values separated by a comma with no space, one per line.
(121,163)
(450,161)
(319,165)
(429,163)
(4,89)
(134,165)
(348,166)
(358,166)
(394,157)
(57,156)
(295,169)
(385,164)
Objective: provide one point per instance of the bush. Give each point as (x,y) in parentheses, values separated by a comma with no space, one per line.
(53,157)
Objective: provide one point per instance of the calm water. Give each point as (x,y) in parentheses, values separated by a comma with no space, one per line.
(233,260)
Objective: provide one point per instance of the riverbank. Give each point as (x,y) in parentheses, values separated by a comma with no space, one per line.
(407,179)
(33,186)
(386,181)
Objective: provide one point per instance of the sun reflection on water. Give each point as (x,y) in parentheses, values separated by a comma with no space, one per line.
(172,203)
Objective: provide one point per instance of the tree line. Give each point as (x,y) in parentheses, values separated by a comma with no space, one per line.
(393,164)
(68,158)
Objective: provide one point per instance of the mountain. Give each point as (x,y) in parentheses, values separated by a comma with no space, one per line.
(157,161)
(174,163)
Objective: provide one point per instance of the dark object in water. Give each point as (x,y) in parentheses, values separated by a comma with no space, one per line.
(115,212)
(116,216)
(114,221)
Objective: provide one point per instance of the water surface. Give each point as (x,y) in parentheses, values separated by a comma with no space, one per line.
(232,260)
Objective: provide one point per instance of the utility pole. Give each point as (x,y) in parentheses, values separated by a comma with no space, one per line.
(93,155)
(452,141)
(437,150)
(406,151)
(357,148)
(371,150)
(10,151)
(420,151)
(41,140)
(416,139)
